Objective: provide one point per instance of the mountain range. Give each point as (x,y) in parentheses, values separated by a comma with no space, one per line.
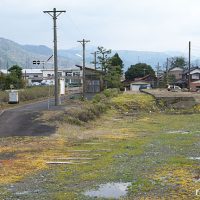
(23,55)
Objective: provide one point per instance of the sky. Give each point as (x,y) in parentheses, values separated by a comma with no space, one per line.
(144,25)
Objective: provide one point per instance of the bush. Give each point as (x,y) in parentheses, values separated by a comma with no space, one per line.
(134,102)
(111,92)
(34,93)
(87,113)
(3,96)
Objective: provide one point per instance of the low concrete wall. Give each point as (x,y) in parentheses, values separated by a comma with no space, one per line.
(176,102)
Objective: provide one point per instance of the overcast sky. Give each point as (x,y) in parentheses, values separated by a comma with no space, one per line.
(151,25)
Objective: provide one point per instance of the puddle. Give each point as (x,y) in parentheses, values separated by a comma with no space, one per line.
(194,158)
(27,192)
(179,131)
(109,190)
(23,193)
(196,180)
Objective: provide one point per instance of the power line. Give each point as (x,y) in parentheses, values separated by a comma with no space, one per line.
(75,26)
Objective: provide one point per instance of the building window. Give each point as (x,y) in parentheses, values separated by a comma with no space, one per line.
(195,76)
(68,74)
(76,74)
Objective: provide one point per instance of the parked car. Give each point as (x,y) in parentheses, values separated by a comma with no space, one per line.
(36,84)
(47,82)
(173,88)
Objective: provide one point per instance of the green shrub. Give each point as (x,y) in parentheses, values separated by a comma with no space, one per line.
(137,102)
(3,96)
(96,98)
(111,92)
(87,113)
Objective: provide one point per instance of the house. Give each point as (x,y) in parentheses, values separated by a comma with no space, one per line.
(177,72)
(194,78)
(145,82)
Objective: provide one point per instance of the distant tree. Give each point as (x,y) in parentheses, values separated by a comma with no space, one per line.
(103,57)
(16,70)
(177,62)
(114,72)
(2,81)
(138,71)
(117,61)
(113,76)
(14,78)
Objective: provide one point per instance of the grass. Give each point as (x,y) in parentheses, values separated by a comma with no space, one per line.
(150,149)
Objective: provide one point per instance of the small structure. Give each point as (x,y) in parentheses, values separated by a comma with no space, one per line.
(136,86)
(93,80)
(13,96)
(62,86)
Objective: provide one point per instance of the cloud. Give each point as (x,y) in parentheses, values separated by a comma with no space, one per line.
(123,24)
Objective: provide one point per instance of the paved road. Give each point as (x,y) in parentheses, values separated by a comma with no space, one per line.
(24,120)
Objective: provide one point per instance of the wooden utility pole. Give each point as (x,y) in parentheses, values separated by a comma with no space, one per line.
(95,60)
(83,42)
(189,65)
(54,14)
(167,67)
(158,71)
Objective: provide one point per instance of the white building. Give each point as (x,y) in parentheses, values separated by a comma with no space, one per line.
(136,86)
(49,73)
(72,75)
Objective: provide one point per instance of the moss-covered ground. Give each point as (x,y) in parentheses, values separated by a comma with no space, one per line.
(148,148)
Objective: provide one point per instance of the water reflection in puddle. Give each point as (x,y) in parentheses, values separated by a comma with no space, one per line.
(109,190)
(179,132)
(194,158)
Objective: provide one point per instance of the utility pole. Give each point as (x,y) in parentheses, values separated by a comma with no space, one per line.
(158,70)
(95,60)
(189,65)
(167,67)
(83,42)
(7,66)
(54,14)
(144,71)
